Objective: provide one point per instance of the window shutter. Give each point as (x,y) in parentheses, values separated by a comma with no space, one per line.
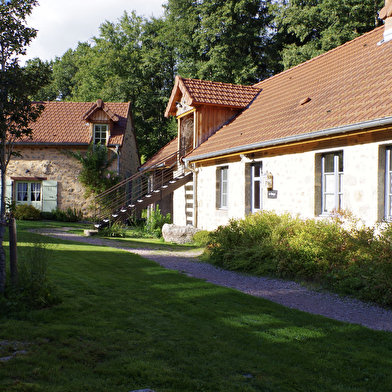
(8,189)
(217,188)
(49,195)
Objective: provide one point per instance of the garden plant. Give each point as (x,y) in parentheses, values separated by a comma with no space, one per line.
(340,254)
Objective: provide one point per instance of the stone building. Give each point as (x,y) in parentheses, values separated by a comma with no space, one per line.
(47,178)
(310,140)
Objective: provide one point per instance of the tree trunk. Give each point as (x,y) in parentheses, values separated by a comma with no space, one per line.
(13,252)
(2,260)
(2,223)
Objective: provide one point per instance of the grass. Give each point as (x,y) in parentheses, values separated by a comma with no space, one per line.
(126,324)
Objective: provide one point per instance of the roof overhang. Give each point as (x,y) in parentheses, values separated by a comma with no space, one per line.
(100,105)
(293,139)
(179,91)
(47,144)
(183,95)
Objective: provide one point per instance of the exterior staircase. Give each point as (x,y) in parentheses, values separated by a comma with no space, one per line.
(125,201)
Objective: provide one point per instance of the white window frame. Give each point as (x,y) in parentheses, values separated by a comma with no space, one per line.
(388,184)
(32,190)
(257,188)
(224,187)
(332,183)
(100,133)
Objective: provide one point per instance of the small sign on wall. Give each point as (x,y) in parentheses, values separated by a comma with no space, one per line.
(272,194)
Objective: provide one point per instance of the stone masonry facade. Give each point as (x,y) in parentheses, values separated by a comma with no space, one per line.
(49,163)
(297,182)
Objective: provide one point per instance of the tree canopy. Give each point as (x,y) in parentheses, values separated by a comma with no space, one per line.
(234,41)
(222,40)
(17,85)
(306,29)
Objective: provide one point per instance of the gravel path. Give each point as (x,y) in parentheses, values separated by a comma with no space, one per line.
(289,294)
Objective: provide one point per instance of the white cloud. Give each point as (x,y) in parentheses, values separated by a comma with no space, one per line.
(61,24)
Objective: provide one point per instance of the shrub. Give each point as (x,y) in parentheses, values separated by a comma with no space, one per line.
(27,212)
(46,215)
(248,243)
(115,230)
(68,215)
(33,289)
(341,254)
(201,238)
(156,221)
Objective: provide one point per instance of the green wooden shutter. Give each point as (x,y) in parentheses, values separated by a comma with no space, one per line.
(49,195)
(8,189)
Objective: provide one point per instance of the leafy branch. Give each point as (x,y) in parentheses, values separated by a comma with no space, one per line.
(95,175)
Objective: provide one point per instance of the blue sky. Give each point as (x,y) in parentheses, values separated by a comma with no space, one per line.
(61,24)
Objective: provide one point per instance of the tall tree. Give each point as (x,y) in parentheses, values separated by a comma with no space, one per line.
(307,28)
(222,40)
(131,60)
(16,85)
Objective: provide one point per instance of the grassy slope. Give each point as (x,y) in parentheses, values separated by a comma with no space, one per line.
(126,323)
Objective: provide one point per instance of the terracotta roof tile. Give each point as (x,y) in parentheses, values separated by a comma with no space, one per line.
(216,93)
(197,92)
(347,85)
(64,123)
(164,152)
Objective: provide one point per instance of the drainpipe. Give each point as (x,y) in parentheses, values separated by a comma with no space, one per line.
(195,209)
(118,158)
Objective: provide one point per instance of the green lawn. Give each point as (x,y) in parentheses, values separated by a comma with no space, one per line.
(126,323)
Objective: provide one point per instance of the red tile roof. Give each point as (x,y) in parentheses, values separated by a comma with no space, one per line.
(205,92)
(348,85)
(66,122)
(165,152)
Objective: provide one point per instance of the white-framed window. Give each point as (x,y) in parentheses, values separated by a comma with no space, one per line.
(332,182)
(223,187)
(388,184)
(100,133)
(257,194)
(28,192)
(42,194)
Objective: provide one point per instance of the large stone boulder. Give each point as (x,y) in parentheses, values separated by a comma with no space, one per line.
(178,234)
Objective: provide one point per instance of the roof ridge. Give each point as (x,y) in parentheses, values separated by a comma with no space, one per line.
(222,83)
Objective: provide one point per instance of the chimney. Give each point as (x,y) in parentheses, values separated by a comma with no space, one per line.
(386,15)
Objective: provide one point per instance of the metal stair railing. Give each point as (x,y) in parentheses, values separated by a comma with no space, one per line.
(122,200)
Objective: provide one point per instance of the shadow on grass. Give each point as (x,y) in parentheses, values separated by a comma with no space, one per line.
(126,323)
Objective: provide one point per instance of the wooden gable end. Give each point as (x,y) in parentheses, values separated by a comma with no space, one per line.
(202,107)
(197,125)
(208,119)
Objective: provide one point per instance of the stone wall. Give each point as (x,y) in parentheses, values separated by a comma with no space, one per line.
(297,181)
(129,156)
(51,164)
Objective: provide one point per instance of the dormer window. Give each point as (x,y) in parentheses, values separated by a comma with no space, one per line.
(100,134)
(102,122)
